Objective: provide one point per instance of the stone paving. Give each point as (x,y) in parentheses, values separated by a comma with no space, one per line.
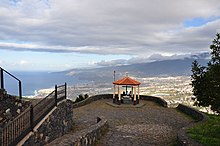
(150,124)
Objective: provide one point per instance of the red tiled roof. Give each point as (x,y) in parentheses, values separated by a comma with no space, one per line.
(126,81)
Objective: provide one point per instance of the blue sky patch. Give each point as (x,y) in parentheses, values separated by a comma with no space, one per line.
(15,1)
(199,21)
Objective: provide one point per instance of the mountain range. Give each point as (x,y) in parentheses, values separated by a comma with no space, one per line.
(176,67)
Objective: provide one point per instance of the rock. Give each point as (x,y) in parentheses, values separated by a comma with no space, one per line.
(19,105)
(8,111)
(41,136)
(46,139)
(18,111)
(8,114)
(65,123)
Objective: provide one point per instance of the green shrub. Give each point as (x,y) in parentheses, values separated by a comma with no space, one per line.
(81,97)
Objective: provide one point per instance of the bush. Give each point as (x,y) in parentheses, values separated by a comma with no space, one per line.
(81,97)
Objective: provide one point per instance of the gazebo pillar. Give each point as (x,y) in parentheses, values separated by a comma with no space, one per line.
(114,94)
(119,94)
(132,92)
(135,96)
(138,94)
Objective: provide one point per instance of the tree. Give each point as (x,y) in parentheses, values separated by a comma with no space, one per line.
(199,84)
(214,73)
(206,80)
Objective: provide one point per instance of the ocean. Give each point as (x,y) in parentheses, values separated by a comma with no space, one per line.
(34,81)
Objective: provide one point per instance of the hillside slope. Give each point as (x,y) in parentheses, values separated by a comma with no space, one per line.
(176,67)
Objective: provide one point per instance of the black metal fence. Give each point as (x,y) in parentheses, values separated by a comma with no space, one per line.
(14,131)
(2,71)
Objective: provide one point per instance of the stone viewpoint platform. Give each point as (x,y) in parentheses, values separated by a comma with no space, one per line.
(150,124)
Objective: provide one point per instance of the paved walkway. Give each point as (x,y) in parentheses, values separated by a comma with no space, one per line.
(150,124)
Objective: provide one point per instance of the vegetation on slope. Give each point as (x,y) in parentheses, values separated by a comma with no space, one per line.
(207,133)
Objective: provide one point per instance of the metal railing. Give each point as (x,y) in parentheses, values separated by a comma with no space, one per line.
(15,130)
(60,92)
(2,71)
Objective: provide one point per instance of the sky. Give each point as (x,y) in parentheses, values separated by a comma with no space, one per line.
(56,35)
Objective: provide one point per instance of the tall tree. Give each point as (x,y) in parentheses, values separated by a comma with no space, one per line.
(214,73)
(199,84)
(206,80)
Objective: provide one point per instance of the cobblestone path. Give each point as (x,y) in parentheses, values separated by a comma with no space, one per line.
(147,125)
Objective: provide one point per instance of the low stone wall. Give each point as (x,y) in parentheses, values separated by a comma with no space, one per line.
(86,137)
(88,100)
(91,99)
(182,138)
(158,100)
(58,123)
(197,115)
(10,108)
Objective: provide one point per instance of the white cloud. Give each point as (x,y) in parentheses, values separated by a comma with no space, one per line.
(112,62)
(152,58)
(143,27)
(23,62)
(67,66)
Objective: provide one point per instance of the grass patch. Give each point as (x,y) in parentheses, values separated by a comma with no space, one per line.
(207,133)
(25,98)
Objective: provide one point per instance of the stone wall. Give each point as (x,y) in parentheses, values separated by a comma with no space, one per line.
(182,138)
(91,99)
(86,137)
(195,114)
(158,100)
(110,96)
(58,123)
(11,107)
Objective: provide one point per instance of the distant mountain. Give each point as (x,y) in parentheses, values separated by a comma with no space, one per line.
(158,68)
(204,55)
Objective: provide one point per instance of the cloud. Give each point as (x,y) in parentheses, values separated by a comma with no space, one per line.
(23,62)
(138,28)
(152,58)
(134,60)
(112,62)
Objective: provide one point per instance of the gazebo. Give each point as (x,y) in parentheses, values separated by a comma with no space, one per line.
(127,82)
